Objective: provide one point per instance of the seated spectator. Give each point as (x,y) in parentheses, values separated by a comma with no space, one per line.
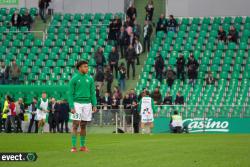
(4,74)
(99,58)
(161,24)
(232,35)
(210,79)
(192,67)
(180,65)
(222,36)
(27,20)
(106,101)
(117,93)
(168,99)
(179,100)
(170,75)
(16,19)
(15,72)
(156,96)
(172,23)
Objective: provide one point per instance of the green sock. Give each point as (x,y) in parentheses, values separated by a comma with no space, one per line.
(73,140)
(82,141)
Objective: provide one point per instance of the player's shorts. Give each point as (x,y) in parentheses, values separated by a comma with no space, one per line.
(83,112)
(41,115)
(147,118)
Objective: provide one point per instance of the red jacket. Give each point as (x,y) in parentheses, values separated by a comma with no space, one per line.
(12,108)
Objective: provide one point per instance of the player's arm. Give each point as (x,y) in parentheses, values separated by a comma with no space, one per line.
(71,94)
(153,106)
(93,95)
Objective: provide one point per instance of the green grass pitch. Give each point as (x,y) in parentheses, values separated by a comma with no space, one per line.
(126,150)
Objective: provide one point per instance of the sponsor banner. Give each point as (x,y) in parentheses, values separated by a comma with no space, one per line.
(9,2)
(207,125)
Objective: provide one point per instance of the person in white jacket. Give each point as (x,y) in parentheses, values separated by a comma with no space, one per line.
(138,50)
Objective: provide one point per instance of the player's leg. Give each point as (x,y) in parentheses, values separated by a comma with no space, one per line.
(75,125)
(83,125)
(143,130)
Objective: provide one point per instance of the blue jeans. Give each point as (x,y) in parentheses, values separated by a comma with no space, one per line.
(122,84)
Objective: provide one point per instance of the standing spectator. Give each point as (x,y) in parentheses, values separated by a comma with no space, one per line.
(131,12)
(126,102)
(179,100)
(19,114)
(122,76)
(192,66)
(42,9)
(11,114)
(138,50)
(33,119)
(137,29)
(112,30)
(115,106)
(232,35)
(168,99)
(106,103)
(122,35)
(130,58)
(117,93)
(156,96)
(109,79)
(180,65)
(147,32)
(129,22)
(14,72)
(99,58)
(113,61)
(210,79)
(27,20)
(64,115)
(149,10)
(172,23)
(222,36)
(170,74)
(132,96)
(161,24)
(16,19)
(131,39)
(159,67)
(52,116)
(136,116)
(99,77)
(4,74)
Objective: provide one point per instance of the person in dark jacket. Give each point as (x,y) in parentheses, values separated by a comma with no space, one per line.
(121,38)
(222,36)
(112,30)
(54,116)
(232,35)
(122,76)
(106,103)
(27,20)
(147,32)
(113,61)
(159,67)
(170,75)
(32,109)
(16,19)
(192,66)
(43,4)
(131,12)
(132,95)
(130,58)
(168,99)
(172,23)
(180,65)
(161,24)
(137,29)
(156,96)
(136,116)
(149,10)
(126,102)
(109,79)
(99,58)
(64,115)
(99,77)
(179,100)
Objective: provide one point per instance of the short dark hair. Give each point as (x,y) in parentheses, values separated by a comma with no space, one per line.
(175,112)
(78,64)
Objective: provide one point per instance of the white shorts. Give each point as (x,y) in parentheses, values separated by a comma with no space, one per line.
(41,115)
(147,118)
(83,112)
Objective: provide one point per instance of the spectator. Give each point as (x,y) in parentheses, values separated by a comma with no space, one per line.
(179,100)
(131,12)
(222,36)
(115,103)
(172,23)
(128,23)
(99,77)
(161,24)
(232,35)
(137,29)
(106,103)
(122,76)
(126,102)
(138,50)
(131,39)
(27,20)
(159,67)
(117,93)
(192,66)
(19,114)
(149,10)
(99,58)
(147,32)
(170,74)
(16,19)
(136,116)
(4,74)
(122,35)
(42,4)
(156,96)
(112,30)
(109,78)
(180,65)
(11,114)
(98,95)
(64,115)
(210,79)
(130,58)
(168,99)
(53,119)
(113,61)
(33,119)
(132,96)
(15,72)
